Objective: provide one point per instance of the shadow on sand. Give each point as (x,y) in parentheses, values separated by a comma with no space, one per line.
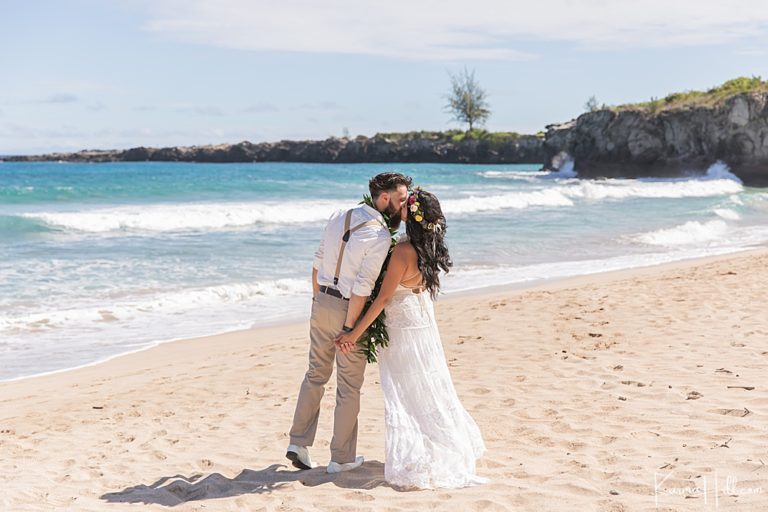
(177,489)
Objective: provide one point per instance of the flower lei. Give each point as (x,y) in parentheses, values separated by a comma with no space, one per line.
(376,334)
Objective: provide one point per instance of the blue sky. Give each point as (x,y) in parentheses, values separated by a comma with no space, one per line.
(94,74)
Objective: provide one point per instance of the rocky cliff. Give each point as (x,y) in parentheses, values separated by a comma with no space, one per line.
(642,141)
(441,147)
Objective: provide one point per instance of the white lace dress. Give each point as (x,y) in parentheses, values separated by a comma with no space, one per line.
(431,441)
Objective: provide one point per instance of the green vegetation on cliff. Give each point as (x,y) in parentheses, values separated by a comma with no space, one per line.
(494,140)
(415,135)
(452,135)
(691,99)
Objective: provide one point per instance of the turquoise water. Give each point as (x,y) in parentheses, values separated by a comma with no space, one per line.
(101,259)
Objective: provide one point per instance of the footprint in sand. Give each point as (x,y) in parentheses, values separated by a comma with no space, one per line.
(491,464)
(485,506)
(732,412)
(358,496)
(645,434)
(543,441)
(633,383)
(126,438)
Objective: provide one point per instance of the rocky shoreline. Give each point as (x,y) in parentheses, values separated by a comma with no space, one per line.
(419,147)
(677,142)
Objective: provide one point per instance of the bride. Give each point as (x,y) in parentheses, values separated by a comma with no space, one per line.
(431,441)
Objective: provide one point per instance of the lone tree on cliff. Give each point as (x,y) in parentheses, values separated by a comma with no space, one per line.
(591,105)
(467,100)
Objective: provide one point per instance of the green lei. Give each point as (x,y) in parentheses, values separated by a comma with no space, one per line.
(376,334)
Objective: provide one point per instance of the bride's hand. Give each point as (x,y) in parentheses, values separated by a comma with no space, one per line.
(346,342)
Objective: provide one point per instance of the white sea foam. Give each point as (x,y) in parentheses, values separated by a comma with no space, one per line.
(543,197)
(727,213)
(735,199)
(719,181)
(625,189)
(757,201)
(691,232)
(564,194)
(184,217)
(514,175)
(155,218)
(720,171)
(567,170)
(158,304)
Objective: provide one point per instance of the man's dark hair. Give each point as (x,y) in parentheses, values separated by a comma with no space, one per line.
(387,182)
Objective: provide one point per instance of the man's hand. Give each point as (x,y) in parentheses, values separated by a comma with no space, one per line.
(345,342)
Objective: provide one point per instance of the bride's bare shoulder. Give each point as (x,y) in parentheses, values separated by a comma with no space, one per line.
(404,249)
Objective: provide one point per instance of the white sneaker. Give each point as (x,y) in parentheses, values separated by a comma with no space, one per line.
(335,467)
(299,456)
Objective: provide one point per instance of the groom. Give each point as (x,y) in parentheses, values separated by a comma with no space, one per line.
(352,251)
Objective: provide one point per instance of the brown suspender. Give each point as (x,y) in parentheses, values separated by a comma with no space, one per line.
(347,234)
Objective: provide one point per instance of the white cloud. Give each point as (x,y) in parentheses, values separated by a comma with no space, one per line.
(202,110)
(79,86)
(16,130)
(266,107)
(208,110)
(261,107)
(453,29)
(61,97)
(320,105)
(752,52)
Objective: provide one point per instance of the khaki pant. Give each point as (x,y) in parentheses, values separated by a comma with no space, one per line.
(328,316)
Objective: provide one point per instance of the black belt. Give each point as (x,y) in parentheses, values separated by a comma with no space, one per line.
(332,291)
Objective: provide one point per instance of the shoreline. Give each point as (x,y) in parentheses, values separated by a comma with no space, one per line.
(554,283)
(603,275)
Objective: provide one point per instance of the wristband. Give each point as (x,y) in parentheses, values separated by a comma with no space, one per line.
(347,329)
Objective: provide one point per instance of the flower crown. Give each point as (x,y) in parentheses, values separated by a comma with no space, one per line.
(417,211)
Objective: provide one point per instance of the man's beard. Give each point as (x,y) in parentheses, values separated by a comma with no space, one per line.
(394,221)
(394,216)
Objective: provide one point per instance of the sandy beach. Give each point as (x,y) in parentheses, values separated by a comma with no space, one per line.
(638,390)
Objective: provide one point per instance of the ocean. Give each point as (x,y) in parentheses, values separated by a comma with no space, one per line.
(98,260)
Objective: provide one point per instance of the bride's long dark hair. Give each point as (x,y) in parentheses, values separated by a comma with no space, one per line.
(427,236)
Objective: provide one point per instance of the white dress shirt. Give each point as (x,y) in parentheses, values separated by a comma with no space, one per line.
(363,256)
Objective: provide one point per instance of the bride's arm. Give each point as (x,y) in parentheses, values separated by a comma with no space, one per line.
(395,271)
